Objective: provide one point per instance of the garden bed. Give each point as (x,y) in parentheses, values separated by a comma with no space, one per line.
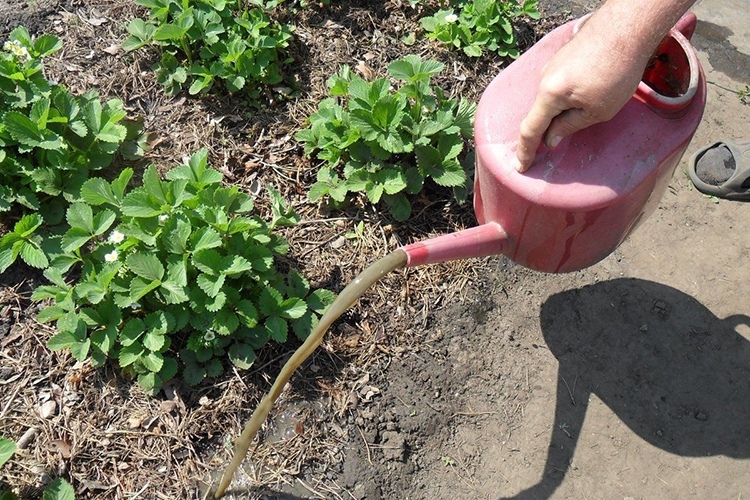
(418,391)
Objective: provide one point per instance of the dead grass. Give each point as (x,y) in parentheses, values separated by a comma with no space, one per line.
(113,441)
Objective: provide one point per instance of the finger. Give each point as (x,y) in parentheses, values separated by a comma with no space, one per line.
(567,123)
(532,130)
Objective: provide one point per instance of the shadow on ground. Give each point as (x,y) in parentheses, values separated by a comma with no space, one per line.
(675,374)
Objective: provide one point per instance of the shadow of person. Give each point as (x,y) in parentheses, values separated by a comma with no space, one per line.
(675,374)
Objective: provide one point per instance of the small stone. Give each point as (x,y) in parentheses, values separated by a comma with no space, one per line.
(48,409)
(135,421)
(700,416)
(26,438)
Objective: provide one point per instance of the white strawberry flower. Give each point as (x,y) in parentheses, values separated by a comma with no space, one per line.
(111,256)
(116,237)
(18,50)
(451,18)
(209,336)
(163,218)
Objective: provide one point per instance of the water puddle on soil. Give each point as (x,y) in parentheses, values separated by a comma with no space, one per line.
(713,39)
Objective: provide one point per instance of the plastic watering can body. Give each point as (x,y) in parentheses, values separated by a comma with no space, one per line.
(578,202)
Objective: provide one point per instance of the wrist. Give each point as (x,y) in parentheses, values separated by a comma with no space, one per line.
(634,28)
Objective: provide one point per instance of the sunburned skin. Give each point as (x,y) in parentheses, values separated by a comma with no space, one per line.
(344,301)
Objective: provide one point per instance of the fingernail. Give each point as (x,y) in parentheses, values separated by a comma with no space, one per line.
(520,166)
(554,141)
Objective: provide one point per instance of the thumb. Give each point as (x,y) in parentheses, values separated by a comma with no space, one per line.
(566,123)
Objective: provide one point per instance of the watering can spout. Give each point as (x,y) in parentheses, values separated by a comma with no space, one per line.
(481,241)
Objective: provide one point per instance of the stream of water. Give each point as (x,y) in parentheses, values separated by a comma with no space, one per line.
(344,301)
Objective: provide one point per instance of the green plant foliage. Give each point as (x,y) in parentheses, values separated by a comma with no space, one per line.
(744,94)
(7,449)
(58,489)
(479,25)
(23,241)
(318,3)
(175,269)
(50,140)
(205,41)
(387,141)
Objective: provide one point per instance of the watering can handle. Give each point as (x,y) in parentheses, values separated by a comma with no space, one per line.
(686,25)
(736,320)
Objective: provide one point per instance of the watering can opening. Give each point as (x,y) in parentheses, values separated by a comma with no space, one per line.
(671,78)
(579,201)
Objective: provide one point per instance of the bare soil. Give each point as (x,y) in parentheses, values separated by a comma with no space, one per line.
(481,379)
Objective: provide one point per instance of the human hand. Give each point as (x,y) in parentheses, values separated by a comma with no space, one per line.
(588,81)
(592,77)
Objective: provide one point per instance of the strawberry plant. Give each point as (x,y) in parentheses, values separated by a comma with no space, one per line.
(23,241)
(206,41)
(175,269)
(386,142)
(50,140)
(479,25)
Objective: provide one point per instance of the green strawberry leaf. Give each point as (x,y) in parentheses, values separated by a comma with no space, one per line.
(60,341)
(205,238)
(28,133)
(145,265)
(150,382)
(247,313)
(80,349)
(33,255)
(292,308)
(130,354)
(320,299)
(153,361)
(132,331)
(242,355)
(193,374)
(58,489)
(277,328)
(74,239)
(105,338)
(225,322)
(7,449)
(26,226)
(97,191)
(168,369)
(211,285)
(269,300)
(140,288)
(80,216)
(138,203)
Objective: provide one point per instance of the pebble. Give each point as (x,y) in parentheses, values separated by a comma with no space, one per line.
(48,409)
(26,438)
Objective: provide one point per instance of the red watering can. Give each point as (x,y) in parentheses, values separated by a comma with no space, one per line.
(578,202)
